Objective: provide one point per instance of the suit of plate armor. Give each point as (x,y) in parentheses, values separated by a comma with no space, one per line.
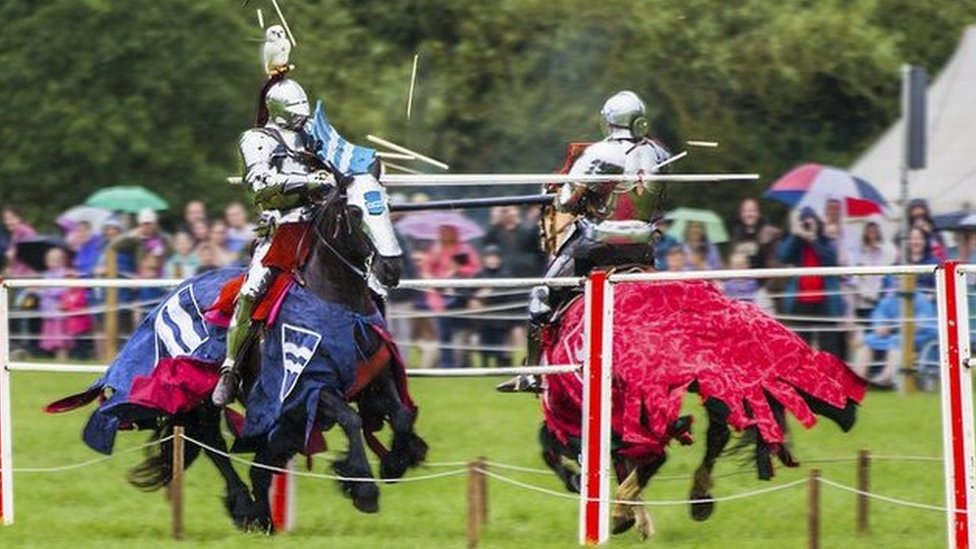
(597,237)
(283,172)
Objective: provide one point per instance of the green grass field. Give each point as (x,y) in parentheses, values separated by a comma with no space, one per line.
(462,419)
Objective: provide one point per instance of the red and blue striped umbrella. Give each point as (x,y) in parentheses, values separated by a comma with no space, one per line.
(814,184)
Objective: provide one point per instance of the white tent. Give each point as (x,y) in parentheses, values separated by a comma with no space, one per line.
(949,180)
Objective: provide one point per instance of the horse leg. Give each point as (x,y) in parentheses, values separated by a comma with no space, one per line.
(552,454)
(364,493)
(259,515)
(629,510)
(408,449)
(237,499)
(716,440)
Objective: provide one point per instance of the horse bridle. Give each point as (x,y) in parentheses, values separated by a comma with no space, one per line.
(339,193)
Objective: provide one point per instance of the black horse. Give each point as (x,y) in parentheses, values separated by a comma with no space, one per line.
(671,338)
(633,475)
(347,248)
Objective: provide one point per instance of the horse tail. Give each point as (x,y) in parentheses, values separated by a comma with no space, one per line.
(156,470)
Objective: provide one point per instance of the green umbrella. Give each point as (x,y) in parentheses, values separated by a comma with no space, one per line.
(714,226)
(126,198)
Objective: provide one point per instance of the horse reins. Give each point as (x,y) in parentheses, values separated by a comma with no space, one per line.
(316,225)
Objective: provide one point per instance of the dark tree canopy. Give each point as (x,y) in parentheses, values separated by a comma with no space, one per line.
(156,93)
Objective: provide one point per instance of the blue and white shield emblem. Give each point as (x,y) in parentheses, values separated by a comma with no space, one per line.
(298,346)
(180,327)
(374,202)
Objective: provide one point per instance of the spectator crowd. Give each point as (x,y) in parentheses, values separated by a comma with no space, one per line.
(856,318)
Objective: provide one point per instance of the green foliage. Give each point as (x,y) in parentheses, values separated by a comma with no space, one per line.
(101,92)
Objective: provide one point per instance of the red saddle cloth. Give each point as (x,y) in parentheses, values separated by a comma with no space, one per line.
(290,248)
(668,335)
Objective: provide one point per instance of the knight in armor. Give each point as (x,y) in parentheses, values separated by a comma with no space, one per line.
(614,223)
(285,176)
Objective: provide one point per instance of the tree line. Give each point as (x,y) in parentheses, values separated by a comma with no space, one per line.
(100,93)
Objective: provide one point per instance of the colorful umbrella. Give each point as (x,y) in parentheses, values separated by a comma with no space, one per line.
(93,216)
(126,198)
(33,251)
(814,184)
(714,226)
(427,225)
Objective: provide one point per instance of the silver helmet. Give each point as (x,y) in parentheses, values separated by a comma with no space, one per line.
(624,116)
(287,104)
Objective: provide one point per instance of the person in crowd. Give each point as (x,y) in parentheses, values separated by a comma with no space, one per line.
(872,251)
(206,257)
(449,258)
(753,236)
(144,240)
(194,212)
(87,248)
(112,229)
(240,232)
(835,228)
(149,267)
(663,243)
(676,259)
(54,330)
(814,298)
(884,339)
(19,231)
(183,263)
(223,256)
(920,253)
(744,289)
(493,333)
(702,253)
(200,231)
(919,215)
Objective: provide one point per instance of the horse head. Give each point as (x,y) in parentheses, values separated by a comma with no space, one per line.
(355,225)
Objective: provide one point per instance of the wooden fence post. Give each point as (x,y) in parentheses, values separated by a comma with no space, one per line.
(477,500)
(864,485)
(813,509)
(176,483)
(111,325)
(482,491)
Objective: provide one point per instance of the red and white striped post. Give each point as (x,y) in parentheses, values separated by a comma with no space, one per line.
(6,431)
(597,379)
(282,497)
(957,406)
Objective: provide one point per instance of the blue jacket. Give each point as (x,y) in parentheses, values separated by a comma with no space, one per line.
(889,310)
(790,251)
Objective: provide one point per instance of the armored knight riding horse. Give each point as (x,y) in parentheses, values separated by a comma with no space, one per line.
(669,338)
(299,335)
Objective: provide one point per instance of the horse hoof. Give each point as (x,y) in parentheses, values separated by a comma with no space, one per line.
(366,497)
(622,524)
(702,510)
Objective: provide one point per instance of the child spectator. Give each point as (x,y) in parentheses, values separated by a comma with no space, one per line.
(183,263)
(675,259)
(54,328)
(205,255)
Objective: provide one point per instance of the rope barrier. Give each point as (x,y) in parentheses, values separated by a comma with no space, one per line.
(886,499)
(62,468)
(655,503)
(309,474)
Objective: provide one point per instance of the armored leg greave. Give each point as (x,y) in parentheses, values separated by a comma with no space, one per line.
(240,331)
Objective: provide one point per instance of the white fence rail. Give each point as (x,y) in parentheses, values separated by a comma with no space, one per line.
(594,516)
